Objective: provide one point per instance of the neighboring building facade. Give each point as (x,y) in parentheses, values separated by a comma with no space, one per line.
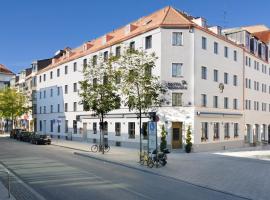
(5,77)
(204,69)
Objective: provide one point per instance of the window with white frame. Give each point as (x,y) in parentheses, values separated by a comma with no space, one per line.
(215,75)
(215,48)
(204,43)
(216,130)
(131,130)
(226,52)
(177,69)
(176,99)
(177,38)
(204,73)
(203,100)
(204,131)
(227,130)
(215,101)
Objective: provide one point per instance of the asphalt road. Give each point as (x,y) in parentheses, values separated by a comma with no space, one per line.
(56,173)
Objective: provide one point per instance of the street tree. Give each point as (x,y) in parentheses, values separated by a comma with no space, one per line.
(99,91)
(142,90)
(13,104)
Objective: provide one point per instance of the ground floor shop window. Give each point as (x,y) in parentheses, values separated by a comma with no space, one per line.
(227,130)
(204,131)
(145,130)
(117,128)
(236,129)
(216,130)
(95,128)
(75,127)
(131,130)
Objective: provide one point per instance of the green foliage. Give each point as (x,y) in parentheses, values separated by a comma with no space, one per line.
(12,104)
(140,88)
(163,143)
(188,141)
(99,92)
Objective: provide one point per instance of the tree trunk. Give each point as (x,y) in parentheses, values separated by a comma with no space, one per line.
(140,116)
(102,132)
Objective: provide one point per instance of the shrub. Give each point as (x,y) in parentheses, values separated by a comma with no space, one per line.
(188,141)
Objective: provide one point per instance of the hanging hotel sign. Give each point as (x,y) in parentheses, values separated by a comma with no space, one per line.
(177,85)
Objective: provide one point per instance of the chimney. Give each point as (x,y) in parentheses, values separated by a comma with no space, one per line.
(216,29)
(200,21)
(87,46)
(129,28)
(106,38)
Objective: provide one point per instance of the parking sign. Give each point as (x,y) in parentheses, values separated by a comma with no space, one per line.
(152,136)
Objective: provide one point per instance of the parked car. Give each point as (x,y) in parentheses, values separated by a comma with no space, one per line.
(41,139)
(19,135)
(14,133)
(26,136)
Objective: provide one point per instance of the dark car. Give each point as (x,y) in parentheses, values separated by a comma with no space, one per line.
(14,133)
(41,139)
(19,135)
(26,136)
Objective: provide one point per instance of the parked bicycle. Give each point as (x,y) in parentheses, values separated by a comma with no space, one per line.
(145,159)
(99,147)
(158,158)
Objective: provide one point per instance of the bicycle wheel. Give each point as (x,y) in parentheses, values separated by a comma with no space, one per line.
(142,159)
(94,148)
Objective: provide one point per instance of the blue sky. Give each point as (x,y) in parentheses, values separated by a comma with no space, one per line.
(35,29)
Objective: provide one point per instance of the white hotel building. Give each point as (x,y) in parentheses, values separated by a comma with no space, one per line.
(219,84)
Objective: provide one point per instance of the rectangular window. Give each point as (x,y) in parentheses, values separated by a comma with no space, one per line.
(52,126)
(58,127)
(204,100)
(40,109)
(132,45)
(94,127)
(215,75)
(66,69)
(74,106)
(234,80)
(44,110)
(105,56)
(215,48)
(51,74)
(44,77)
(66,126)
(235,55)
(204,131)
(51,92)
(44,94)
(40,125)
(226,130)
(226,53)
(235,129)
(177,69)
(226,102)
(66,89)
(131,130)
(145,130)
(58,108)
(117,128)
(40,95)
(51,108)
(176,99)
(58,72)
(177,38)
(40,79)
(58,91)
(94,60)
(216,130)
(204,73)
(148,42)
(226,78)
(75,66)
(204,43)
(235,104)
(84,62)
(74,87)
(118,51)
(215,102)
(66,107)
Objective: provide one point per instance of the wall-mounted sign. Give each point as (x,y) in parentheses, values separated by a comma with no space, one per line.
(177,85)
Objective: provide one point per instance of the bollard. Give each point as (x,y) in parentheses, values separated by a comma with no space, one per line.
(8,184)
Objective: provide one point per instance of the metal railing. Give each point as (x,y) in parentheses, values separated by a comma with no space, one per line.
(8,181)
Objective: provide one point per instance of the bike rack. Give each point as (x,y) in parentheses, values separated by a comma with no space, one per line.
(8,180)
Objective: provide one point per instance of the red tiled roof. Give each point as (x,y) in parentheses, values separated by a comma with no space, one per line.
(5,70)
(263,36)
(167,16)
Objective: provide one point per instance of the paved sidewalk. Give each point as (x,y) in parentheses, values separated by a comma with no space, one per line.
(244,177)
(4,193)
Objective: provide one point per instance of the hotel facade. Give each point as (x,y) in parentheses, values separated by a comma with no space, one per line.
(218,83)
